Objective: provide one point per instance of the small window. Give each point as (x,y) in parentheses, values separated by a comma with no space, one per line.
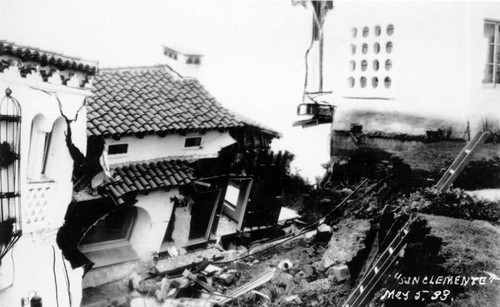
(491,73)
(193,142)
(117,149)
(375,82)
(390,29)
(351,82)
(354,32)
(353,49)
(388,47)
(366,31)
(362,82)
(364,48)
(388,65)
(375,65)
(378,30)
(376,48)
(352,65)
(364,65)
(387,82)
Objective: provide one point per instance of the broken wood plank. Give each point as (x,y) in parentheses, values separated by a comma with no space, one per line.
(195,278)
(260,280)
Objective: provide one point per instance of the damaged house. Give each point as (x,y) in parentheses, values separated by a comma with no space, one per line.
(166,166)
(43,96)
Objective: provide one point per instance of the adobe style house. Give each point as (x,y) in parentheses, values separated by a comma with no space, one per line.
(43,95)
(182,168)
(406,72)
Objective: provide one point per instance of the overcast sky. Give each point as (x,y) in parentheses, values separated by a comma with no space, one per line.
(253,51)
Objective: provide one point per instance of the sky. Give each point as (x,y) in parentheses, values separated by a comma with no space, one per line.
(253,51)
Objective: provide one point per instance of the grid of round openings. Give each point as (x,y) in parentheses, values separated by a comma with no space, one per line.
(371,65)
(387,82)
(362,82)
(364,48)
(366,31)
(388,65)
(388,47)
(390,29)
(364,65)
(351,81)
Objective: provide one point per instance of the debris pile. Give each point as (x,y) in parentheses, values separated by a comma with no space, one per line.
(346,224)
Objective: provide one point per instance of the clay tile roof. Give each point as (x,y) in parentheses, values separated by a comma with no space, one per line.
(149,176)
(155,100)
(60,61)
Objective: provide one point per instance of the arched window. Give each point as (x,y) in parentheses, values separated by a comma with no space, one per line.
(39,145)
(56,149)
(113,228)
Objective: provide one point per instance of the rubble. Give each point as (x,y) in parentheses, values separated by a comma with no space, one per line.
(341,272)
(346,242)
(285,265)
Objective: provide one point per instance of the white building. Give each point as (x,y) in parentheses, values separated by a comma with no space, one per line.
(36,188)
(412,67)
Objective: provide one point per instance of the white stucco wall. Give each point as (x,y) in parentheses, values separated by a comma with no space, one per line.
(152,221)
(485,101)
(35,263)
(438,58)
(172,145)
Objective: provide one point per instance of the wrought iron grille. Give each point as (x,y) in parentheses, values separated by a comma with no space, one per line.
(10,154)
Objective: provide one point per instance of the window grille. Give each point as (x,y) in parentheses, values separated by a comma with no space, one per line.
(10,148)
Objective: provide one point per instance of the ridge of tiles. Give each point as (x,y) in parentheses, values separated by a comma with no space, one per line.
(149,176)
(151,101)
(61,61)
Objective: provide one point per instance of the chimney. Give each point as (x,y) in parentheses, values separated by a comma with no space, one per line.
(183,60)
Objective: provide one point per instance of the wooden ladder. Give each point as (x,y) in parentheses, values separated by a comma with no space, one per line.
(373,277)
(461,161)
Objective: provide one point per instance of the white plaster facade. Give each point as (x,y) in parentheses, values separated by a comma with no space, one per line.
(35,264)
(438,58)
(170,146)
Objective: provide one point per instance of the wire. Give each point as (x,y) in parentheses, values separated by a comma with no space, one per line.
(54,270)
(68,283)
(307,70)
(13,265)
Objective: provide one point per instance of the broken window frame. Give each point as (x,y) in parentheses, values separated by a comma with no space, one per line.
(167,243)
(238,212)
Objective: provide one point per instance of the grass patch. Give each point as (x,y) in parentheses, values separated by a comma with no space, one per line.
(469,248)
